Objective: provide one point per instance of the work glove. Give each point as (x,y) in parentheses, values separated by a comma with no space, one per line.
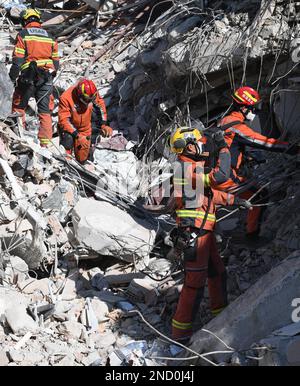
(106,131)
(244,204)
(75,134)
(219,139)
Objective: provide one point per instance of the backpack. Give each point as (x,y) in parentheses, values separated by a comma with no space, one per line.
(211,145)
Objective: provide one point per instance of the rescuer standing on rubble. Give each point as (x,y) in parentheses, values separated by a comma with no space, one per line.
(246,102)
(195,205)
(35,62)
(82,115)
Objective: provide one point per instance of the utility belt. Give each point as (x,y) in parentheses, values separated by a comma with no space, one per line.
(33,75)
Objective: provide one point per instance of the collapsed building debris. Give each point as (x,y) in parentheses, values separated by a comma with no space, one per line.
(158,65)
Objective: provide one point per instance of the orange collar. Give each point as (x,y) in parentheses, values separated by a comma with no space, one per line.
(33,24)
(238,116)
(184,158)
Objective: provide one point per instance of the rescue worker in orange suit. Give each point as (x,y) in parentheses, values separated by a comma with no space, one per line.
(195,205)
(246,102)
(77,105)
(35,63)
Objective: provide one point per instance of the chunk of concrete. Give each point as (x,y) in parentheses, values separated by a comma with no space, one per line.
(6,91)
(32,285)
(19,321)
(4,361)
(108,230)
(105,340)
(142,291)
(93,359)
(285,351)
(255,314)
(13,310)
(16,269)
(61,200)
(71,329)
(100,309)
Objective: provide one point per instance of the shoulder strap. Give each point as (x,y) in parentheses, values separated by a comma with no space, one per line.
(227,125)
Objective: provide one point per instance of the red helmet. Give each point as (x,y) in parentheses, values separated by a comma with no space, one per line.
(86,90)
(246,96)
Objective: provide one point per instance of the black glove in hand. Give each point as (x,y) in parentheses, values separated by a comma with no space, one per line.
(75,134)
(219,140)
(244,204)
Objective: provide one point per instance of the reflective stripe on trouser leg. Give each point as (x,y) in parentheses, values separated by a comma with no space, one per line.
(45,132)
(217,279)
(192,291)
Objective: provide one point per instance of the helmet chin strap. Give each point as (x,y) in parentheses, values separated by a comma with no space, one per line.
(199,149)
(83,101)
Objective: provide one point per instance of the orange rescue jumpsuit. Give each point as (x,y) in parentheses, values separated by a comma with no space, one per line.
(196,213)
(237,137)
(75,117)
(34,44)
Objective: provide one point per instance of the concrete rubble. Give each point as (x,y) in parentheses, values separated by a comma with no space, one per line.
(80,254)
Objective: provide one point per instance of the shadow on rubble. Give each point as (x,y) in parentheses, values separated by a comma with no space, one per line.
(150,90)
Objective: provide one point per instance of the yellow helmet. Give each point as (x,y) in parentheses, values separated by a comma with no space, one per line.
(30,13)
(183,136)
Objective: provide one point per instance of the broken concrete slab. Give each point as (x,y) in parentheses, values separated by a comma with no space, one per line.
(254,315)
(13,310)
(105,340)
(71,329)
(93,359)
(115,278)
(71,285)
(143,291)
(33,285)
(33,216)
(19,321)
(4,361)
(61,200)
(106,296)
(100,309)
(6,92)
(16,270)
(283,351)
(96,228)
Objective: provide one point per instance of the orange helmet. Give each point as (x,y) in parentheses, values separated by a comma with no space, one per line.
(86,90)
(246,96)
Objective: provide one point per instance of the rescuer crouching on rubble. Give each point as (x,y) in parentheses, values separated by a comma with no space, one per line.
(35,62)
(195,205)
(82,117)
(238,135)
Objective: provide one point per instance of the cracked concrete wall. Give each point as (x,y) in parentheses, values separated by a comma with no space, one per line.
(251,317)
(194,46)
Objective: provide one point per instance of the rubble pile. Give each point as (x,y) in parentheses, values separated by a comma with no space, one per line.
(85,276)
